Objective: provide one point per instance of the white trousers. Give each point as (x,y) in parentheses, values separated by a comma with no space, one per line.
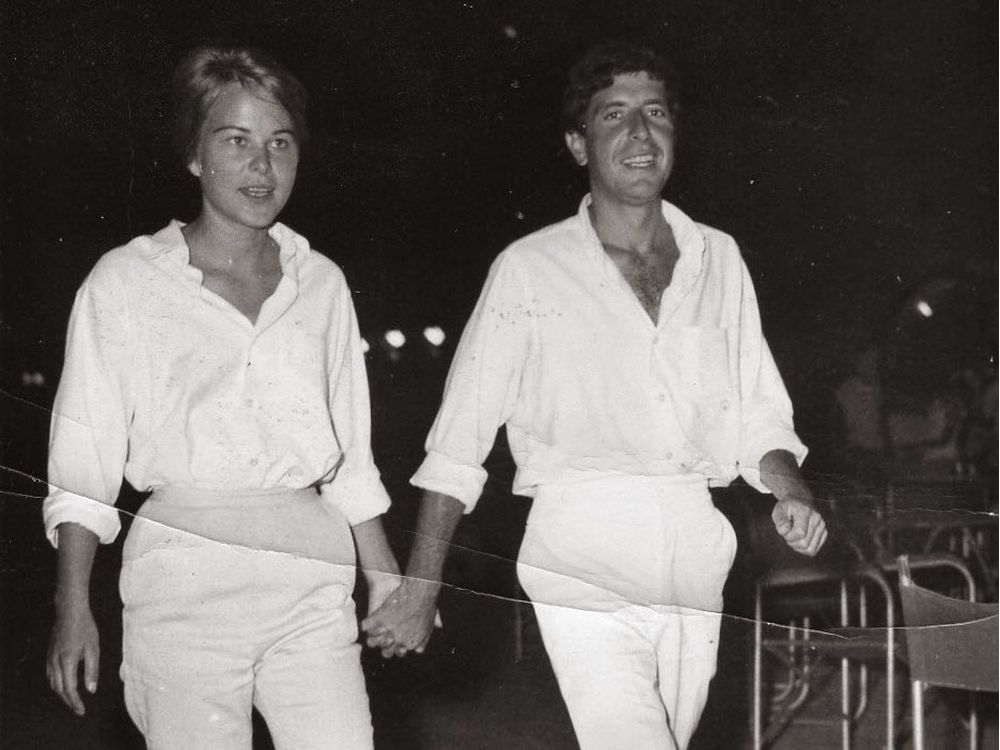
(626,577)
(232,602)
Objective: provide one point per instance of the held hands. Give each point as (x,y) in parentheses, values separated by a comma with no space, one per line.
(74,639)
(405,620)
(801,526)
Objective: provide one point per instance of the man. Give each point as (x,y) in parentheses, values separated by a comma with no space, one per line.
(622,349)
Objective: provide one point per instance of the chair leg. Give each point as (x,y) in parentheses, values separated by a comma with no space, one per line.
(845,678)
(757,677)
(890,675)
(973,722)
(917,699)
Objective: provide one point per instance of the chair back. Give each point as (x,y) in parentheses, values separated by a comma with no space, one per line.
(949,642)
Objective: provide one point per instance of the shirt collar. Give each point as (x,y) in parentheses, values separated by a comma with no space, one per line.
(689,238)
(170,246)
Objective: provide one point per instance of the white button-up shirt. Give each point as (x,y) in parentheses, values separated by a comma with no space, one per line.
(561,351)
(166,383)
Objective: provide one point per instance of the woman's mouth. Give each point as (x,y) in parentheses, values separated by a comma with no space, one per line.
(257,193)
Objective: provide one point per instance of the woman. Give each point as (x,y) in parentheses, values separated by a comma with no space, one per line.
(218,365)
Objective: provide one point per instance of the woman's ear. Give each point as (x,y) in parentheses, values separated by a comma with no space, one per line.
(194,167)
(577,145)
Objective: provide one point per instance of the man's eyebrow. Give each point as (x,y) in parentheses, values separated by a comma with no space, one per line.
(280,131)
(623,103)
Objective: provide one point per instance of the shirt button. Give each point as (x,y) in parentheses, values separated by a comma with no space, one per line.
(254,461)
(249,403)
(661,398)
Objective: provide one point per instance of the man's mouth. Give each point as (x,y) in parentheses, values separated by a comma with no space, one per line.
(257,192)
(639,162)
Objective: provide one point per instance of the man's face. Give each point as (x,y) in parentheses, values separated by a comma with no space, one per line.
(627,142)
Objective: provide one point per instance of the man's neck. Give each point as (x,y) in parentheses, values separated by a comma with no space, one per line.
(639,229)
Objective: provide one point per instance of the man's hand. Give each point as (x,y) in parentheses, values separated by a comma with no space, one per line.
(74,639)
(801,526)
(405,621)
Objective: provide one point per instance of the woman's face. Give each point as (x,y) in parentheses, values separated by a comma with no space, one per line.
(246,159)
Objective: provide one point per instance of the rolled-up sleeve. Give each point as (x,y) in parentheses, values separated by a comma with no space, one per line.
(766,417)
(482,388)
(88,441)
(356,490)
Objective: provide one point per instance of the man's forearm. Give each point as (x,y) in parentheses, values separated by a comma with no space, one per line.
(436,523)
(780,473)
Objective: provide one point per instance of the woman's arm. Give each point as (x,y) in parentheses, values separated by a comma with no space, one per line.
(74,635)
(377,562)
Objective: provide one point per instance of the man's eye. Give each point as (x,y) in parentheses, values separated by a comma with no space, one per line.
(657,112)
(237,140)
(615,114)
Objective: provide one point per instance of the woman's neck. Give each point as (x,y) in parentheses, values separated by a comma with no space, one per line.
(214,245)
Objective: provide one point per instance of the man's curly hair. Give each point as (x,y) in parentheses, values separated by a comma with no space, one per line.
(597,69)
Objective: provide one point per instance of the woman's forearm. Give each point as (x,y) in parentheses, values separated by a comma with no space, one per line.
(77,547)
(374,553)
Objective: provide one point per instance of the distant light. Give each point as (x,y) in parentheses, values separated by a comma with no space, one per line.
(32,378)
(434,335)
(395,338)
(924,309)
(365,347)
(510,32)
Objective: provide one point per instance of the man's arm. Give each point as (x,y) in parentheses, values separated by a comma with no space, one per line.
(794,516)
(406,620)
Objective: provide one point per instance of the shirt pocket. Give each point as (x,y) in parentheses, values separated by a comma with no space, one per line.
(702,363)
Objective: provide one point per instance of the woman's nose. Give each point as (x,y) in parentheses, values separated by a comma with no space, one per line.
(261,161)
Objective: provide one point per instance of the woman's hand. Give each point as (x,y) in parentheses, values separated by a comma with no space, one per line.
(74,636)
(380,587)
(74,639)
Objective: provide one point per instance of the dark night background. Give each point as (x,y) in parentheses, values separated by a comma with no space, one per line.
(850,147)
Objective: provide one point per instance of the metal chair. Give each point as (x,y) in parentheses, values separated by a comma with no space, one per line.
(949,642)
(797,595)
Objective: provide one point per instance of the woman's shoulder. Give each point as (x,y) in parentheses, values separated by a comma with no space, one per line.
(124,263)
(123,269)
(314,261)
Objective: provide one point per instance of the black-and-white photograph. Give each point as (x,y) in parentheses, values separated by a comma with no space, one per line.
(517,375)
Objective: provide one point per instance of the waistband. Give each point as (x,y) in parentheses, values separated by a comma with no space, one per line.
(672,488)
(196,497)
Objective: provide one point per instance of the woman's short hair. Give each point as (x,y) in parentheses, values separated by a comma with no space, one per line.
(203,72)
(596,71)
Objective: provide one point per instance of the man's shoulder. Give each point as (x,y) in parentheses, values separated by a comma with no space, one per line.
(717,241)
(547,241)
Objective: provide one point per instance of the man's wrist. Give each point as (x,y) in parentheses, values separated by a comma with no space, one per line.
(422,588)
(72,599)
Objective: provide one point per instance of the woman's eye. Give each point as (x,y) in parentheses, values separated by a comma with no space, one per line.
(280,143)
(613,115)
(237,140)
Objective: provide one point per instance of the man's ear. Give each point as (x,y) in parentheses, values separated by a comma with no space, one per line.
(194,167)
(577,145)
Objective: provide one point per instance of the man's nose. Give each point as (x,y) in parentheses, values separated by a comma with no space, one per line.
(638,127)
